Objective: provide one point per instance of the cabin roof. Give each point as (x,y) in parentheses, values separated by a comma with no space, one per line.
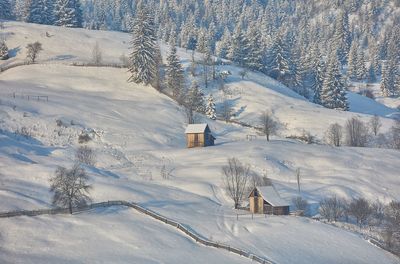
(269,194)
(196,128)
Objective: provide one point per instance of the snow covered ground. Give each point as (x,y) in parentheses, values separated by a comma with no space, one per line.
(137,131)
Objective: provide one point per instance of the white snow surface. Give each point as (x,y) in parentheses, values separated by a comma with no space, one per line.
(135,131)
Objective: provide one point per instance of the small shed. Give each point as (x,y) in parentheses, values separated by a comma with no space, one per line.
(266,200)
(199,135)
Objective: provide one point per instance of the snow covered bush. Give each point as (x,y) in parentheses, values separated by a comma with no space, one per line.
(300,204)
(85,155)
(84,138)
(33,50)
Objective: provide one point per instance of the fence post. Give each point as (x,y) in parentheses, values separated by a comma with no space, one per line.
(237,217)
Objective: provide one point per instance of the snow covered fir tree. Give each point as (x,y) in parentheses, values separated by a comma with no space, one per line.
(3,50)
(175,79)
(143,62)
(333,92)
(210,108)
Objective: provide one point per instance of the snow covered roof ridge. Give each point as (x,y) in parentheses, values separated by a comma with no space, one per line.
(270,195)
(196,128)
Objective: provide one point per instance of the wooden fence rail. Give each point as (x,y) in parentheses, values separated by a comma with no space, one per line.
(187,231)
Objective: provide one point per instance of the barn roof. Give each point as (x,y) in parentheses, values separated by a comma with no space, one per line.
(196,128)
(270,195)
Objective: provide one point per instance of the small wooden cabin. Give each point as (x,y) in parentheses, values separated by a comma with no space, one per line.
(199,135)
(266,200)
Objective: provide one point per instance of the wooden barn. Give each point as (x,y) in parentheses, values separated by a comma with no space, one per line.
(199,135)
(266,200)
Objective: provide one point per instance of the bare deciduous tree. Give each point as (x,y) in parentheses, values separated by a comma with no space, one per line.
(334,135)
(70,187)
(300,204)
(331,208)
(391,233)
(356,133)
(268,124)
(375,124)
(85,155)
(97,55)
(361,210)
(395,135)
(33,50)
(235,177)
(226,110)
(243,74)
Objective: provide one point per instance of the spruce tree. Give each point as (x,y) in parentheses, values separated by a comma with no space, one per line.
(333,94)
(386,80)
(67,13)
(318,80)
(3,50)
(175,75)
(194,101)
(361,70)
(222,46)
(353,60)
(371,74)
(238,46)
(5,9)
(143,64)
(210,108)
(254,59)
(278,58)
(37,12)
(342,38)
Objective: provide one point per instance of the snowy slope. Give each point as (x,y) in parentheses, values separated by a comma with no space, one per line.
(139,130)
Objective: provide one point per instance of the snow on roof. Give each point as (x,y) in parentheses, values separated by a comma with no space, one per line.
(270,195)
(195,128)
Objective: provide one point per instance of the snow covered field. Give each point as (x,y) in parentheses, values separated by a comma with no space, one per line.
(137,131)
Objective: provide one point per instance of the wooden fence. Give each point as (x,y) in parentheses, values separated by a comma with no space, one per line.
(183,228)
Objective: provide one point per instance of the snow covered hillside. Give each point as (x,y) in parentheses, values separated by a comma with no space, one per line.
(136,130)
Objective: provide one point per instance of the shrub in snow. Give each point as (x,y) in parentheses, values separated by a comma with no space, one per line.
(33,50)
(84,138)
(85,155)
(300,204)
